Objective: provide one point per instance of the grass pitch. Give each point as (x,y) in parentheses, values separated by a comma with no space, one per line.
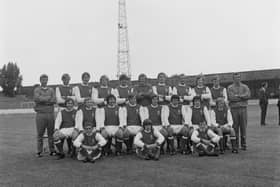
(258,166)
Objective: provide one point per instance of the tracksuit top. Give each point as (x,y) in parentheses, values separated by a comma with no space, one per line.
(155,114)
(148,137)
(90,140)
(221,116)
(111,116)
(88,116)
(68,118)
(133,115)
(198,115)
(175,115)
(217,92)
(183,90)
(85,90)
(65,91)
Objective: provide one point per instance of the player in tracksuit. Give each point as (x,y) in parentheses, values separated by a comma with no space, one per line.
(221,118)
(123,90)
(143,91)
(64,91)
(174,118)
(83,91)
(148,142)
(185,92)
(163,91)
(205,141)
(218,91)
(100,93)
(155,114)
(132,123)
(89,143)
(110,122)
(64,127)
(203,91)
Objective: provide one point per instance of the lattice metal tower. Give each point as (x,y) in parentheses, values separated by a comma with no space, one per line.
(123,47)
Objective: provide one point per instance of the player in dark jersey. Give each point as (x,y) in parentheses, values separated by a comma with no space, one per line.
(175,121)
(64,91)
(205,141)
(100,93)
(148,142)
(123,90)
(84,90)
(218,91)
(110,120)
(203,91)
(132,125)
(221,118)
(163,91)
(90,144)
(143,91)
(64,127)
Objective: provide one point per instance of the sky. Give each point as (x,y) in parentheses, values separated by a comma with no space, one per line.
(171,36)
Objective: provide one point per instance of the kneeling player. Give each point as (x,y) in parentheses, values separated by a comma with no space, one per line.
(132,124)
(205,141)
(174,116)
(90,144)
(222,119)
(64,127)
(148,142)
(109,120)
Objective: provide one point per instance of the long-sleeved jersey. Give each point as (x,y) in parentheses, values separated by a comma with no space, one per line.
(195,116)
(206,134)
(63,92)
(147,138)
(217,92)
(90,140)
(132,115)
(221,117)
(121,93)
(85,115)
(174,115)
(205,94)
(164,92)
(65,119)
(100,94)
(81,92)
(185,92)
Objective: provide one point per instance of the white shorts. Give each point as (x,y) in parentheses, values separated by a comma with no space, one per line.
(176,128)
(134,129)
(111,130)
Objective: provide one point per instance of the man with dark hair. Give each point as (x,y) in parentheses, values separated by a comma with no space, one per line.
(123,90)
(238,95)
(148,142)
(83,90)
(64,127)
(263,102)
(44,98)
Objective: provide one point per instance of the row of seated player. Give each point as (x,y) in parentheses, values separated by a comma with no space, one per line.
(143,90)
(189,125)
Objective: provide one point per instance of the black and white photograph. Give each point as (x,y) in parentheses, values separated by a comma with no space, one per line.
(150,93)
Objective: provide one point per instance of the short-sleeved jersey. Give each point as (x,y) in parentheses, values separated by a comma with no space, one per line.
(68,118)
(175,115)
(111,116)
